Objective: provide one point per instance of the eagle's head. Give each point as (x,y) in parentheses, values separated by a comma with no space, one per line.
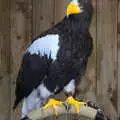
(80,10)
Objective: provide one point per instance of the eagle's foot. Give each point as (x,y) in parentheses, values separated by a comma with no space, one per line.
(76,103)
(53,103)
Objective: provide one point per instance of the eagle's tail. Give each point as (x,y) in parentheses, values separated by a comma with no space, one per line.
(18,89)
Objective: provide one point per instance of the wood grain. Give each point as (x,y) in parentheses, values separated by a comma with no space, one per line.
(21,35)
(107,56)
(43,15)
(90,76)
(4,60)
(118,45)
(60,9)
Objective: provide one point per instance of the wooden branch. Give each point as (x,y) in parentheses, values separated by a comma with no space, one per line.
(41,113)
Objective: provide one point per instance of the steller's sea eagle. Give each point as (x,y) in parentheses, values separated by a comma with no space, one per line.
(56,60)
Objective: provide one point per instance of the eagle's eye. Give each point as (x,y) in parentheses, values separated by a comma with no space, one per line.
(73,8)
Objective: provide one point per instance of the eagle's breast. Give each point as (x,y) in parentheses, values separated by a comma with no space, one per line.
(47,45)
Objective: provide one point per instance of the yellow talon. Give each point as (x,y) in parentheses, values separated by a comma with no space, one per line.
(76,103)
(53,103)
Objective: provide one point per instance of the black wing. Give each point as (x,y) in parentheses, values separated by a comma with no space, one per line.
(33,69)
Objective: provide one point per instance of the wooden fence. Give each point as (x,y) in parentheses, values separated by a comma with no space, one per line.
(21,20)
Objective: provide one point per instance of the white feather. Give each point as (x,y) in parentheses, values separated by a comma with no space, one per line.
(44,92)
(45,45)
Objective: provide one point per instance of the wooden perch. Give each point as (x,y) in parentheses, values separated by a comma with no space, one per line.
(41,113)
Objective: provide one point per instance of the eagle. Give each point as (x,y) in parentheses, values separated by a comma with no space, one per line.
(56,60)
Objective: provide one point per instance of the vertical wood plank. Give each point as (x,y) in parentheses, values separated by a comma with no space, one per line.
(21,35)
(60,9)
(90,76)
(118,87)
(43,15)
(4,59)
(107,56)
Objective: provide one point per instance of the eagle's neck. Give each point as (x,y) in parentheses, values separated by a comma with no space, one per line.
(75,25)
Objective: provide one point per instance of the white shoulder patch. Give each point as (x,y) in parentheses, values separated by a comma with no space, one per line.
(45,45)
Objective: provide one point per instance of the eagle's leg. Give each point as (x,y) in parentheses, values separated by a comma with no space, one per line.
(30,103)
(45,93)
(53,103)
(70,92)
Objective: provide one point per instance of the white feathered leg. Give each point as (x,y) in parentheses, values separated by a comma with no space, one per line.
(34,100)
(29,103)
(38,102)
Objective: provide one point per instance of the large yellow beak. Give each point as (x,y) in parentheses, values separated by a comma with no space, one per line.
(73,9)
